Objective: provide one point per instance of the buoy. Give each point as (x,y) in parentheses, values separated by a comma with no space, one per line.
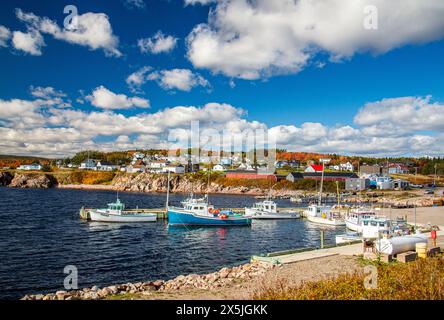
(421,250)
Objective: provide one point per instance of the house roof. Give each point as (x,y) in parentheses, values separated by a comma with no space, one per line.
(330,174)
(317,167)
(106,163)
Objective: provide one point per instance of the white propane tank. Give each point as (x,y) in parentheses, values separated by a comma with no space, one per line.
(397,245)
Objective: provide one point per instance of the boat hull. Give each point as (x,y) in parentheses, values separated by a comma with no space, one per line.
(183,218)
(353,226)
(125,218)
(320,220)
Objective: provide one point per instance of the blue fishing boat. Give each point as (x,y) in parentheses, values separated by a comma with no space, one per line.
(198,212)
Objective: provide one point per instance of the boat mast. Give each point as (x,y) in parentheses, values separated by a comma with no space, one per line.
(323,161)
(208,187)
(168,192)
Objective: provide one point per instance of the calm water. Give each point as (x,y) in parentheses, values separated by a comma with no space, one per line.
(41,233)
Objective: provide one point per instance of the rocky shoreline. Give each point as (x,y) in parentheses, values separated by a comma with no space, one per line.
(152,183)
(218,279)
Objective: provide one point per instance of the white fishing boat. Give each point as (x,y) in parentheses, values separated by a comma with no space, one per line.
(354,218)
(296,199)
(268,210)
(374,227)
(116,213)
(323,215)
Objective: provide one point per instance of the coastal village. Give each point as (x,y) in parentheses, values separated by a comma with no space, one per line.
(354,175)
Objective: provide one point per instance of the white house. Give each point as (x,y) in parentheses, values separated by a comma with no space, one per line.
(219,167)
(174,168)
(106,166)
(346,167)
(88,164)
(156,166)
(28,167)
(138,166)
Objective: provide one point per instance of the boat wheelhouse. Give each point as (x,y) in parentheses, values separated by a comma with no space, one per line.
(323,215)
(268,210)
(354,218)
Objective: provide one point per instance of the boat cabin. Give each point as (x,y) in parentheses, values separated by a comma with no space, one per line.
(116,206)
(269,206)
(374,227)
(318,211)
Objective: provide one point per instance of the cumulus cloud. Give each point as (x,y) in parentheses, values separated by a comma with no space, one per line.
(30,42)
(175,79)
(201,2)
(5,35)
(178,79)
(158,43)
(93,31)
(44,126)
(258,39)
(103,98)
(137,79)
(137,4)
(405,113)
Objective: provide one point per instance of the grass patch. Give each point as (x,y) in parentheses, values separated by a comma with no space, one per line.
(419,280)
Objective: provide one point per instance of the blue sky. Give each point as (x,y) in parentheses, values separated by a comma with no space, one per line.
(320,89)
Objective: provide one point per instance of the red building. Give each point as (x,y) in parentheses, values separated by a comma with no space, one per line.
(249,174)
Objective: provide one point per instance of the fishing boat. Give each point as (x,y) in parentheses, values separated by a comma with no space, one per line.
(323,215)
(296,199)
(116,213)
(268,210)
(353,219)
(374,227)
(198,212)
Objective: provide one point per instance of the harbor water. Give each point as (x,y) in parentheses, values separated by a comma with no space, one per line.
(41,234)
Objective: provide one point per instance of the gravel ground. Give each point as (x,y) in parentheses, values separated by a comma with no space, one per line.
(295,273)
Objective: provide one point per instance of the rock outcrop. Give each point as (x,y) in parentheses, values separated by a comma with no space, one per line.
(5,178)
(32,180)
(147,182)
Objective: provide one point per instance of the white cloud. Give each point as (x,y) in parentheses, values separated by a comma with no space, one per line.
(258,39)
(137,79)
(30,42)
(44,126)
(103,98)
(5,35)
(402,114)
(46,92)
(93,30)
(201,2)
(138,4)
(180,79)
(158,43)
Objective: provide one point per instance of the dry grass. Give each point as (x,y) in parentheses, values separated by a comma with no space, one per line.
(419,280)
